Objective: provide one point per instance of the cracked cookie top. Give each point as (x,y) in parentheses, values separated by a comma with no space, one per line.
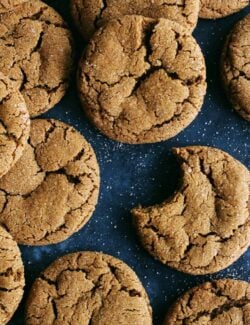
(205,226)
(14,124)
(213,9)
(11,276)
(142,80)
(7,5)
(235,67)
(52,190)
(89,15)
(88,287)
(36,53)
(219,302)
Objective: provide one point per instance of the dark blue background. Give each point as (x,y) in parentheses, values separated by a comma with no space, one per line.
(146,174)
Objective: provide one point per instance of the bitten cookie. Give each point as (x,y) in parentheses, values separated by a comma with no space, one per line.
(219,302)
(205,226)
(213,9)
(11,276)
(36,52)
(7,5)
(89,15)
(235,64)
(14,124)
(142,80)
(52,190)
(88,288)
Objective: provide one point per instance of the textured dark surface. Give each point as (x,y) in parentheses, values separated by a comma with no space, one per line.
(147,174)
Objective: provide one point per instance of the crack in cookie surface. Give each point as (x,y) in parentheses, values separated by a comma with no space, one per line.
(219,302)
(205,226)
(212,9)
(235,67)
(14,125)
(88,287)
(36,48)
(52,190)
(89,15)
(142,80)
(11,276)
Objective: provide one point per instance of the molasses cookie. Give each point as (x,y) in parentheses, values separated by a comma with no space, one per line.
(14,124)
(142,80)
(213,9)
(205,226)
(219,302)
(88,287)
(36,52)
(11,276)
(7,5)
(89,15)
(52,190)
(235,67)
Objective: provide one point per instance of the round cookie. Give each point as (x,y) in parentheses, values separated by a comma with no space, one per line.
(52,190)
(14,124)
(7,5)
(213,9)
(142,80)
(205,226)
(219,302)
(36,52)
(11,276)
(88,287)
(89,15)
(235,64)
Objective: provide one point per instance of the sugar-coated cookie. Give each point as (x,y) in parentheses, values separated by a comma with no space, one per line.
(11,276)
(36,52)
(205,226)
(142,80)
(225,301)
(88,288)
(235,65)
(52,190)
(89,15)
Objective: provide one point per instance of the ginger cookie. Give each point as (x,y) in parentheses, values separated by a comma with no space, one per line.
(235,67)
(205,226)
(7,5)
(14,124)
(219,302)
(88,288)
(89,15)
(142,80)
(52,190)
(36,52)
(11,276)
(213,9)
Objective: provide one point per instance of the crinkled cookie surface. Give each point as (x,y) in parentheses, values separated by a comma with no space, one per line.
(88,287)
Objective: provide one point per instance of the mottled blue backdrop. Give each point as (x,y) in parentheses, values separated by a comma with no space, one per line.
(146,174)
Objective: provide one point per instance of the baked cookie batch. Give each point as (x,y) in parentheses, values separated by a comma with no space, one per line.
(141,79)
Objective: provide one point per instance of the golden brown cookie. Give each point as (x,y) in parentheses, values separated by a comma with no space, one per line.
(205,226)
(36,52)
(88,287)
(52,190)
(213,9)
(219,302)
(14,124)
(11,276)
(142,80)
(235,64)
(7,5)
(89,15)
